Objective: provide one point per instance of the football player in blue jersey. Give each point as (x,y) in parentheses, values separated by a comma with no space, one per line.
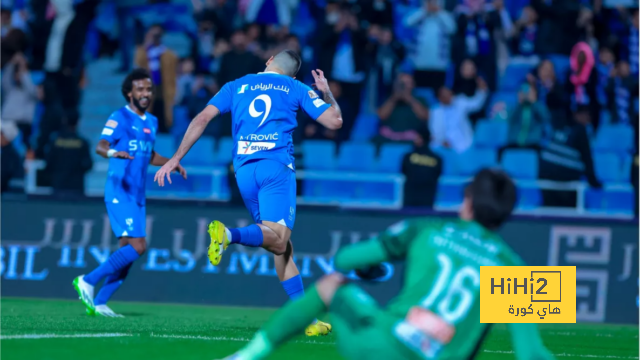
(127,140)
(263,108)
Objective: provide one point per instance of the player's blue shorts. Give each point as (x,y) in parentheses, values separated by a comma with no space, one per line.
(127,219)
(268,189)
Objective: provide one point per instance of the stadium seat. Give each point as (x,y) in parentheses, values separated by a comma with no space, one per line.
(474,159)
(391,155)
(608,167)
(165,145)
(224,155)
(427,94)
(357,156)
(521,163)
(491,134)
(514,76)
(449,159)
(319,154)
(615,138)
(202,153)
(561,66)
(180,120)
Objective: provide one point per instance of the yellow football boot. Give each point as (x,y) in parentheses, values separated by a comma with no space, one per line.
(320,328)
(219,242)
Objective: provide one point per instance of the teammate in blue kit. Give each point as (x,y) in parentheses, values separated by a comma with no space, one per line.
(263,107)
(127,140)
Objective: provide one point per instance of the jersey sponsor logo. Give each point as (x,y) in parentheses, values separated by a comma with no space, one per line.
(250,147)
(417,340)
(111,123)
(312,94)
(107,131)
(140,146)
(263,87)
(318,102)
(147,130)
(260,137)
(242,89)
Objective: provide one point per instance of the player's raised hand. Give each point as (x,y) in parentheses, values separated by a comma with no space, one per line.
(122,155)
(321,82)
(166,170)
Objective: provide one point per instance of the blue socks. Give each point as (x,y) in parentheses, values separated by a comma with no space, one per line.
(293,287)
(111,284)
(120,259)
(248,236)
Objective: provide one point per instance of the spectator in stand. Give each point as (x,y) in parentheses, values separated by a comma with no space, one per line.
(185,81)
(622,90)
(466,83)
(378,12)
(342,43)
(635,169)
(433,49)
(14,40)
(270,12)
(449,123)
(202,90)
(204,46)
(385,55)
(422,169)
(630,46)
(583,81)
(476,38)
(222,13)
(68,159)
(162,64)
(528,123)
(558,26)
(403,114)
(522,37)
(10,161)
(126,31)
(238,62)
(604,68)
(20,96)
(550,92)
(567,157)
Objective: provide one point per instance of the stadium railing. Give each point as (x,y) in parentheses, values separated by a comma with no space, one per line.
(218,190)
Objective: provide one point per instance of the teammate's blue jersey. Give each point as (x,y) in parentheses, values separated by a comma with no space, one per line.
(263,108)
(127,131)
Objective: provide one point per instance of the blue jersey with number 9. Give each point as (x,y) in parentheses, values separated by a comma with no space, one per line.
(263,108)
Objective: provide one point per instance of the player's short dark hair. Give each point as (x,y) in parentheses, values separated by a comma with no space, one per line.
(493,196)
(127,84)
(288,61)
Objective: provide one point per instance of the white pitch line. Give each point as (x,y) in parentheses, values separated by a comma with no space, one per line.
(242,339)
(565,354)
(62,336)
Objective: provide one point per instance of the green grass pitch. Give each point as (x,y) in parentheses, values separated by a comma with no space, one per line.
(59,330)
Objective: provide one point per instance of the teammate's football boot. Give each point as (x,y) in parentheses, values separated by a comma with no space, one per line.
(219,242)
(320,328)
(85,293)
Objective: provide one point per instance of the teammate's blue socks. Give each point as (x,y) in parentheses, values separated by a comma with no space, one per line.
(111,284)
(248,236)
(293,287)
(116,262)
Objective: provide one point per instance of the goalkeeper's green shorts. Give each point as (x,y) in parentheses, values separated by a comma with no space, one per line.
(363,328)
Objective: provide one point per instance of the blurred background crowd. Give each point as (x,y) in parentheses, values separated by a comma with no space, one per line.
(430,91)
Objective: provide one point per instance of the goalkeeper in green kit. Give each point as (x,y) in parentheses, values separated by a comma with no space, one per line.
(436,315)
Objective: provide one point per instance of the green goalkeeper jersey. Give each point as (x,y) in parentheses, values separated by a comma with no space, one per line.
(439,303)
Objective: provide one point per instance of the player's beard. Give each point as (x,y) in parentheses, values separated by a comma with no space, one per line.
(136,103)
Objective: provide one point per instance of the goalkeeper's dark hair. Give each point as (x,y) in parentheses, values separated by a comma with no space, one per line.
(288,61)
(127,84)
(493,197)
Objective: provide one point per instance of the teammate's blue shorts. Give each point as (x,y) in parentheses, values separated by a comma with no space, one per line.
(268,189)
(127,219)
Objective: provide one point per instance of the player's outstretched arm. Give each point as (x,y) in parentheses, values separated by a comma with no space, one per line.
(332,117)
(104,149)
(195,130)
(159,160)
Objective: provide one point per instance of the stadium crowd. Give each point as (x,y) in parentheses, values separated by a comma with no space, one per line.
(435,74)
